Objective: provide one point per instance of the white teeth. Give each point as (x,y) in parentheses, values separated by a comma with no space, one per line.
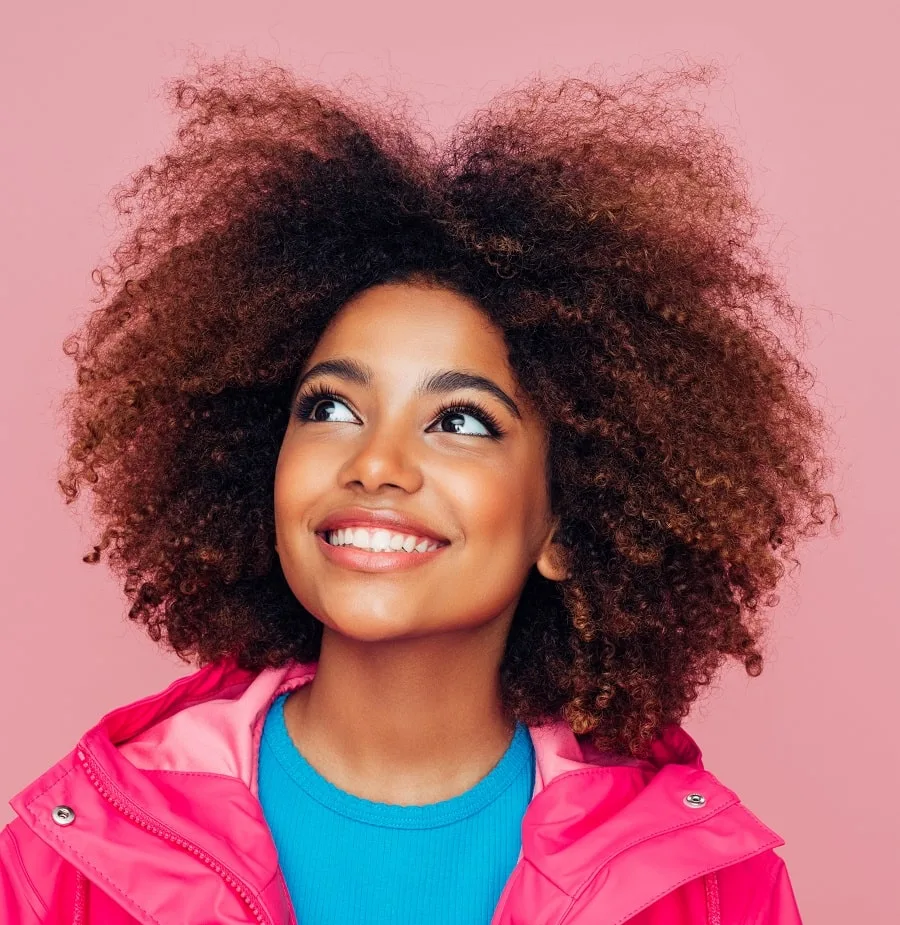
(379,540)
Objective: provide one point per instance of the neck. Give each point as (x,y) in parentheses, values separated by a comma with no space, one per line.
(410,721)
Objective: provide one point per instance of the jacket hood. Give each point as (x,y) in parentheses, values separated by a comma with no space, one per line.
(178,770)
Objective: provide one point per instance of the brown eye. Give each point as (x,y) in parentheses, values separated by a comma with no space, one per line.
(317,404)
(456,414)
(457,421)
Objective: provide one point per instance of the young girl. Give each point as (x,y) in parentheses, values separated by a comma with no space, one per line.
(458,473)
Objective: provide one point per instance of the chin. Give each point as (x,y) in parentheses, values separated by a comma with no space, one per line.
(374,631)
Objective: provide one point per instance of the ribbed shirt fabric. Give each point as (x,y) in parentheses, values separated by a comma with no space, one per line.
(349,861)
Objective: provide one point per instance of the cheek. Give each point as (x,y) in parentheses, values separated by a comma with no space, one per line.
(298,481)
(491,505)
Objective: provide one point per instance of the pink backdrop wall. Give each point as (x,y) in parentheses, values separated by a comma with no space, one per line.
(811,746)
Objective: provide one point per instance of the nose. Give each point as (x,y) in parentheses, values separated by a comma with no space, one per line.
(383,457)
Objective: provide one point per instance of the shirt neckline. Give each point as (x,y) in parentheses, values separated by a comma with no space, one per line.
(518,755)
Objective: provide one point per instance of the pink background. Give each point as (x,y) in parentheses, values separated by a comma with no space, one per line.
(811,746)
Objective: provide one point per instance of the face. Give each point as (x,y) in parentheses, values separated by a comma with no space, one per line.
(474,478)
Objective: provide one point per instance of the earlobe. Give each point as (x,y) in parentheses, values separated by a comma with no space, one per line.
(553,562)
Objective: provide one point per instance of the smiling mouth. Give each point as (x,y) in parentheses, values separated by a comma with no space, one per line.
(380,541)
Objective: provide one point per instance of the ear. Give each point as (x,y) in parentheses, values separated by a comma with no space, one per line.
(553,560)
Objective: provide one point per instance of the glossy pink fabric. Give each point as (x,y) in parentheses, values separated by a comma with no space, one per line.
(168,828)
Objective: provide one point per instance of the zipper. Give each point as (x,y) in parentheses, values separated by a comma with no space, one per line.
(713,912)
(108,790)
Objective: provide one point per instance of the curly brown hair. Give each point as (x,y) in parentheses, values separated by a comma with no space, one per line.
(602,226)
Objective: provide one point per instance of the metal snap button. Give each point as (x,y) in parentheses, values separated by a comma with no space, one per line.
(63,815)
(695,800)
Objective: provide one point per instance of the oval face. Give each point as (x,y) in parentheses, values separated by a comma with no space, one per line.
(410,494)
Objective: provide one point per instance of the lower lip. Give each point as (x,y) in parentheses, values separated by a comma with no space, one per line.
(363,561)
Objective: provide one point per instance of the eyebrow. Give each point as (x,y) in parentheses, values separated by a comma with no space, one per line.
(437,383)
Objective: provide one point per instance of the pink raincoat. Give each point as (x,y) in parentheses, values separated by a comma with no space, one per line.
(154,818)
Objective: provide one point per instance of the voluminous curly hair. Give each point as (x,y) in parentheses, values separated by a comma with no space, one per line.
(604,227)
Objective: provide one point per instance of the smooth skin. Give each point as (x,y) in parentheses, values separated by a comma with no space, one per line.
(405,705)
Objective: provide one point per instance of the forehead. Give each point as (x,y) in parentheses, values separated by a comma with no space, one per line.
(412,326)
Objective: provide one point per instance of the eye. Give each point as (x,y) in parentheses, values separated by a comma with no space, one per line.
(318,402)
(456,414)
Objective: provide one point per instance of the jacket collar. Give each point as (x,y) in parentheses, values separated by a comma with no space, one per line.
(170,763)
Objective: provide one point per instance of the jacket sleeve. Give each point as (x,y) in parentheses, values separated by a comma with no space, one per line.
(756,891)
(781,904)
(20,903)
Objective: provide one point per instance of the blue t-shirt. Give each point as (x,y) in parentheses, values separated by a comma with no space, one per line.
(349,861)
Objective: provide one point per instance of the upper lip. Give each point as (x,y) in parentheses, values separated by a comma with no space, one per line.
(378,517)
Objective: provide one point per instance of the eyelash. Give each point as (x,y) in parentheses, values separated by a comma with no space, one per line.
(307,400)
